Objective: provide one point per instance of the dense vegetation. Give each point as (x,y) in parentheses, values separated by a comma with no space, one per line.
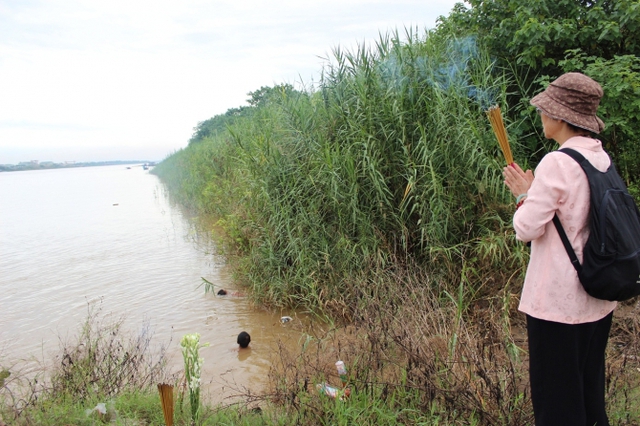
(539,40)
(390,160)
(375,200)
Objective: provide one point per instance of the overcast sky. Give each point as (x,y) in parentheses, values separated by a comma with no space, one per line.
(130,79)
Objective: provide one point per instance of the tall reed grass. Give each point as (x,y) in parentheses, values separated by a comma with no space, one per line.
(391,157)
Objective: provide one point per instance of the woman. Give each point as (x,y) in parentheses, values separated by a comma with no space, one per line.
(567,329)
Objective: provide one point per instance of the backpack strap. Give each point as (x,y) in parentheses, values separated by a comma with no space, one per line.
(567,244)
(556,220)
(573,154)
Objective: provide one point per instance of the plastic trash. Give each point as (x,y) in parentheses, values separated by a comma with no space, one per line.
(285,319)
(331,392)
(325,389)
(342,372)
(103,412)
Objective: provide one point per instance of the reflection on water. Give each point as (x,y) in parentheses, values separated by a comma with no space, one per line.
(70,238)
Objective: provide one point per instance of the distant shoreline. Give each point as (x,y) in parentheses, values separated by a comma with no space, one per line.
(34,165)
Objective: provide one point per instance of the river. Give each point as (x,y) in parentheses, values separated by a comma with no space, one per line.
(109,239)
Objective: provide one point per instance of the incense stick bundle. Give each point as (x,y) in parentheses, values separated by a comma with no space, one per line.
(495,117)
(166,398)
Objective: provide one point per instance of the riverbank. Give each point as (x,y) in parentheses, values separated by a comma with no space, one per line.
(47,165)
(409,360)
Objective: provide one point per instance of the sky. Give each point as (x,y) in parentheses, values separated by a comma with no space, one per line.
(85,80)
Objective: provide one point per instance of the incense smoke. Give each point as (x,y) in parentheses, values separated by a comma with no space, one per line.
(449,71)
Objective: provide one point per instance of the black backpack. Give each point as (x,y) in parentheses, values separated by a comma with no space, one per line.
(610,267)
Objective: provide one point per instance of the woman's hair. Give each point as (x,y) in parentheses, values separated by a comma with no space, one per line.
(244,339)
(583,132)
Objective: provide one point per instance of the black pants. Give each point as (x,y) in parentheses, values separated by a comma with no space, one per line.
(567,373)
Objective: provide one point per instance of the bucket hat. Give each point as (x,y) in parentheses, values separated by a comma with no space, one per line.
(573,97)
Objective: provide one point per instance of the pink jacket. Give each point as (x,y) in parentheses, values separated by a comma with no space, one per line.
(551,289)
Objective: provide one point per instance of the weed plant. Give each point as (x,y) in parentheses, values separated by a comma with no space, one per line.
(412,357)
(99,364)
(190,345)
(415,353)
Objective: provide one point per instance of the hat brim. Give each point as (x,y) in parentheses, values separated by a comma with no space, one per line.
(558,111)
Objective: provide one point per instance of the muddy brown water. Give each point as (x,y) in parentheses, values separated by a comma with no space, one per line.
(109,239)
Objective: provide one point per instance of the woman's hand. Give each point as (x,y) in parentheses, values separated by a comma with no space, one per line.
(516,179)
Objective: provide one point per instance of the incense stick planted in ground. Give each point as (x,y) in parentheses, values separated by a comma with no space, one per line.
(166,398)
(495,118)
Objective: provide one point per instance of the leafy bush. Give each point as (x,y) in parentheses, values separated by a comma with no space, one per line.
(620,105)
(536,41)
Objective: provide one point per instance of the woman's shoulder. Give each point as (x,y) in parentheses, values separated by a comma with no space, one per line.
(558,170)
(591,150)
(554,160)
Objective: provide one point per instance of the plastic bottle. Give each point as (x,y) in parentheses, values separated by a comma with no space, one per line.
(331,392)
(325,389)
(342,372)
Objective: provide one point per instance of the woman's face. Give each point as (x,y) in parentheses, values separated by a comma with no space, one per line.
(551,126)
